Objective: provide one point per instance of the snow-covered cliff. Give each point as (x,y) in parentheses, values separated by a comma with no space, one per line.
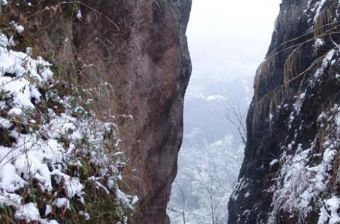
(290,172)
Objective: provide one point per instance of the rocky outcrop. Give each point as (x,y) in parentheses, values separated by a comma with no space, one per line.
(289,174)
(136,52)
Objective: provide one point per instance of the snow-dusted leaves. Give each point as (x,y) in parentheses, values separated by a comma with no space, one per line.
(49,142)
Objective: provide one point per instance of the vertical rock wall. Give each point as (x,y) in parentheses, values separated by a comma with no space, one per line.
(146,60)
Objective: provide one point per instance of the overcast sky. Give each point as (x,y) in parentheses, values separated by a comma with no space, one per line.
(229,38)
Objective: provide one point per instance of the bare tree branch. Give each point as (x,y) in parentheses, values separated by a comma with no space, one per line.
(237,119)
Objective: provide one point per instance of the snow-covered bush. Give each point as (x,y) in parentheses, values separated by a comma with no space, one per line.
(58,162)
(306,175)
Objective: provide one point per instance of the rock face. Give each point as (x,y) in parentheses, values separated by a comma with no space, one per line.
(145,58)
(289,174)
(149,68)
(136,52)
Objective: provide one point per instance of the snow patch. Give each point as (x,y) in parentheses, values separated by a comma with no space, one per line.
(28,212)
(329,212)
(17,27)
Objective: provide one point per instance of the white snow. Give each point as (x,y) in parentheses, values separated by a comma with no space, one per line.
(273,162)
(28,212)
(3,2)
(4,42)
(62,203)
(319,43)
(241,184)
(17,27)
(5,123)
(325,63)
(48,210)
(79,15)
(329,212)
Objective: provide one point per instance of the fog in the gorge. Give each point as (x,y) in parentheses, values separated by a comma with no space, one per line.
(228,39)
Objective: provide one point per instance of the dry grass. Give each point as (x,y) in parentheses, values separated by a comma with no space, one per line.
(291,65)
(263,73)
(325,18)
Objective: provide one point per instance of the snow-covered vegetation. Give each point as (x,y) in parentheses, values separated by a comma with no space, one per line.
(202,188)
(307,185)
(291,171)
(59,163)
